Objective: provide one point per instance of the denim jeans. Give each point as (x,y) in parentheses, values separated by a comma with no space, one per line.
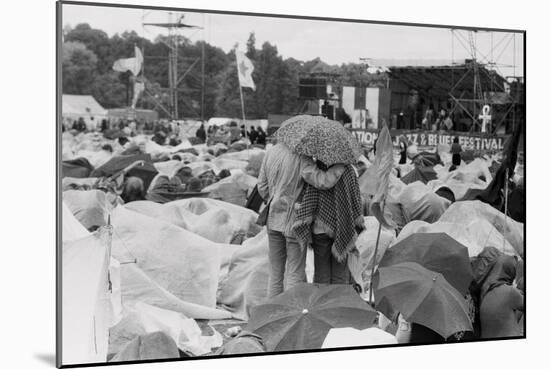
(327,268)
(285,254)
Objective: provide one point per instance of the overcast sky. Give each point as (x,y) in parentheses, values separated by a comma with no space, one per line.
(334,42)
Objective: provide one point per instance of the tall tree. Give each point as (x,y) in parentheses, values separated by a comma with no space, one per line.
(95,40)
(78,68)
(251,46)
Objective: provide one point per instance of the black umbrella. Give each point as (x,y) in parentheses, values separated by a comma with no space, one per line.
(146,172)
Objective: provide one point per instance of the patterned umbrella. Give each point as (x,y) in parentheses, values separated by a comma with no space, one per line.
(422,297)
(300,318)
(320,138)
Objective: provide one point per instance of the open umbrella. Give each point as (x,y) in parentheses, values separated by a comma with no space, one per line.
(422,297)
(320,138)
(120,162)
(300,318)
(423,174)
(437,252)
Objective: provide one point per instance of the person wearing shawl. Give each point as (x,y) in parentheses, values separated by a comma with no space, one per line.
(330,219)
(280,183)
(502,305)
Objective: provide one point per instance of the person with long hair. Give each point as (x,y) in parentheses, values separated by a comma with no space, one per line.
(280,183)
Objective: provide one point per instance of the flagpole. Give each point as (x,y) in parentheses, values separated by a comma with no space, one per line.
(242,108)
(374,257)
(505,208)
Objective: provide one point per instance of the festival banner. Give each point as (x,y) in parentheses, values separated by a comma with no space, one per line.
(431,139)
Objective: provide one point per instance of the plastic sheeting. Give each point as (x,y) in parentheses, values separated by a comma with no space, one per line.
(215,221)
(465,177)
(474,234)
(70,183)
(244,155)
(244,181)
(168,168)
(96,158)
(361,266)
(176,215)
(72,229)
(138,287)
(183,263)
(476,211)
(349,337)
(91,208)
(146,319)
(152,346)
(245,283)
(244,218)
(233,189)
(229,164)
(476,225)
(199,167)
(418,202)
(86,308)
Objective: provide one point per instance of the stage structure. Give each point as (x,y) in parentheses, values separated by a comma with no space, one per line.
(176,64)
(473,90)
(486,100)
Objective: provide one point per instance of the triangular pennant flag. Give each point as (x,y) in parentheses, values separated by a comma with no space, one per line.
(383,164)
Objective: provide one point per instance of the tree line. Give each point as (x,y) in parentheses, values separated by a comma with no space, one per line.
(88,55)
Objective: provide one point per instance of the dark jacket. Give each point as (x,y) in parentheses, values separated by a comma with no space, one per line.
(201,133)
(253,135)
(502,305)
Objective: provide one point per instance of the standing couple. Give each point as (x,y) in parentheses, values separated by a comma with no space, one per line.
(309,204)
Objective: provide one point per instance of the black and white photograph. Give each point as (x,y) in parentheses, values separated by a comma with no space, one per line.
(234,184)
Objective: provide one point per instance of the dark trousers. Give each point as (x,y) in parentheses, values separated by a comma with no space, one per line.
(327,269)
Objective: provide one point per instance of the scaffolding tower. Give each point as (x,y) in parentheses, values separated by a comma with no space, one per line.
(479,64)
(175,63)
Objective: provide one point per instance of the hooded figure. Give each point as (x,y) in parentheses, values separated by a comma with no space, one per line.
(133,190)
(502,305)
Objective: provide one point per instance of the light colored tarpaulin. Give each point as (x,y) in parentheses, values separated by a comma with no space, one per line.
(349,337)
(183,263)
(244,218)
(470,211)
(234,189)
(476,225)
(475,234)
(86,308)
(244,155)
(213,220)
(465,177)
(91,208)
(245,283)
(139,287)
(146,319)
(419,202)
(72,229)
(361,266)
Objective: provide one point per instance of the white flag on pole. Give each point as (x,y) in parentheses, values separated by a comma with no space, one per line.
(132,64)
(245,68)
